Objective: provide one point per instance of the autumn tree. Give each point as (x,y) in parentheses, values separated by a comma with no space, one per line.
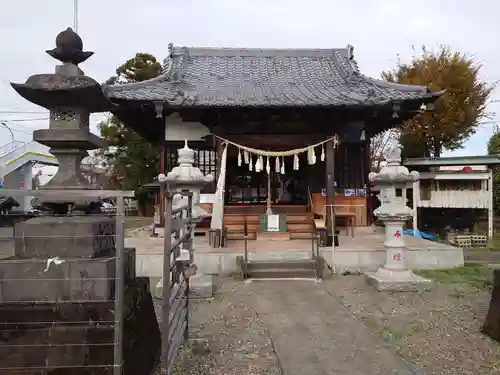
(133,160)
(457,112)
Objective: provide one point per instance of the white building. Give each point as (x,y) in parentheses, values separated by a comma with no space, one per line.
(453,183)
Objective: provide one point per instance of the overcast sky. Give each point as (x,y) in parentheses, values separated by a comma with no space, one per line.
(115,30)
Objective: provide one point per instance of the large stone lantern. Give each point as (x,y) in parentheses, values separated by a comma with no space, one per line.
(393,212)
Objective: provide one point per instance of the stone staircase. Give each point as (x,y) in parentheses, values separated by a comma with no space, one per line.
(281,269)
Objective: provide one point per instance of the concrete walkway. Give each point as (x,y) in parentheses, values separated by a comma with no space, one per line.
(313,333)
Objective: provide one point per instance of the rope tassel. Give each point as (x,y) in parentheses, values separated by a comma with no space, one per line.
(258,165)
(250,163)
(246,156)
(268,167)
(239,157)
(282,169)
(322,152)
(295,162)
(277,166)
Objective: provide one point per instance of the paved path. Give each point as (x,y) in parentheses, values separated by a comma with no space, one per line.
(314,334)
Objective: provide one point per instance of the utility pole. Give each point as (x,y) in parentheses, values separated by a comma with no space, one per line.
(75,16)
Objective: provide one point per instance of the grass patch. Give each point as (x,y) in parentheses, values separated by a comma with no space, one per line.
(477,276)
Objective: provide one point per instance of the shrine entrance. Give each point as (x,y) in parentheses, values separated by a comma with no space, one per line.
(246,187)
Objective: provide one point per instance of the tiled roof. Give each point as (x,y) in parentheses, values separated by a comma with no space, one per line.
(264,77)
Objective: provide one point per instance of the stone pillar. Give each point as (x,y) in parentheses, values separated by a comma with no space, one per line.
(393,212)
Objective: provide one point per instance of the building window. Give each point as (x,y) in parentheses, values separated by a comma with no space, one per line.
(205,161)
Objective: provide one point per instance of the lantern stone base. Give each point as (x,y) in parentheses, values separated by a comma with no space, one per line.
(390,280)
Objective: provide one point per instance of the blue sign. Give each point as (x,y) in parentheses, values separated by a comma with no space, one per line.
(1,185)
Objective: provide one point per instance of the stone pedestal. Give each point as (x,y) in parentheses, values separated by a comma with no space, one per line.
(392,179)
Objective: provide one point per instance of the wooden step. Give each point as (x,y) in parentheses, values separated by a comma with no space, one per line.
(301,235)
(299,218)
(240,219)
(273,236)
(300,227)
(241,227)
(240,235)
(281,269)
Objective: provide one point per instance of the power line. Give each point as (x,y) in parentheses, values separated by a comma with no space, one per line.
(23,112)
(26,119)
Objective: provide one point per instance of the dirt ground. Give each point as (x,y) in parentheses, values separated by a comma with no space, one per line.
(435,332)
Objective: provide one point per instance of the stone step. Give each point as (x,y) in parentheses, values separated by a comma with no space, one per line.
(280,273)
(282,264)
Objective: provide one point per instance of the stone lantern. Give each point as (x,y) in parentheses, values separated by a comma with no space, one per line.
(187,177)
(393,212)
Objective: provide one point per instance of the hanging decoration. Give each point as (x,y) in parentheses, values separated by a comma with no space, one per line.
(246,155)
(295,162)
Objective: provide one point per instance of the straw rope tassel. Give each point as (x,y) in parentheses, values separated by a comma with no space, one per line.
(295,162)
(246,157)
(322,152)
(268,167)
(282,169)
(258,165)
(239,157)
(277,165)
(250,163)
(313,155)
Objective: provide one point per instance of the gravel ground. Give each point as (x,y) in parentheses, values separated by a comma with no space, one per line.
(438,330)
(231,338)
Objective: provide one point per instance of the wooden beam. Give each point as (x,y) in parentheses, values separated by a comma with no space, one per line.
(330,189)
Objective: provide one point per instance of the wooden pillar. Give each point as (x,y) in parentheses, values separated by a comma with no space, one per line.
(218,154)
(330,190)
(161,195)
(367,168)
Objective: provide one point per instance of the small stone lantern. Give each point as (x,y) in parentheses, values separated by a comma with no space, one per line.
(187,177)
(393,212)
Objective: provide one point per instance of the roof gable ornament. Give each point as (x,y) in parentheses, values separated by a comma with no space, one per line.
(350,52)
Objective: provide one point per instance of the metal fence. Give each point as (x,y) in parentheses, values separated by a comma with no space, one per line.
(177,267)
(62,282)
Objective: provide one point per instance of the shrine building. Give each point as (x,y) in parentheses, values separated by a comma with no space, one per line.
(282,130)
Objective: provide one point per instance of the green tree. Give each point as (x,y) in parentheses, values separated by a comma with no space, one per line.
(494,149)
(134,161)
(456,114)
